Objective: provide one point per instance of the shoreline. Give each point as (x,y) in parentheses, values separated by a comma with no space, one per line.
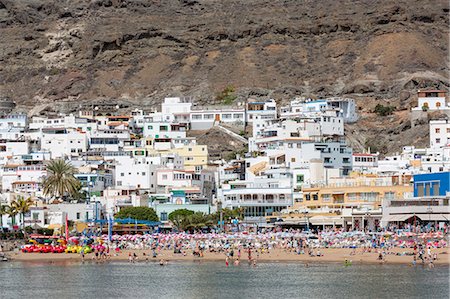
(335,255)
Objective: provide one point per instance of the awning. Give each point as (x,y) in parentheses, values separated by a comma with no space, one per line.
(54,226)
(402,217)
(435,217)
(338,192)
(325,220)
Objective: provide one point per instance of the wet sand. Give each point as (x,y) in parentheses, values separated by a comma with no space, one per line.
(334,255)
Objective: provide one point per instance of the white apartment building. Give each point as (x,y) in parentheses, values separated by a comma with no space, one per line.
(64,121)
(261,196)
(264,109)
(439,133)
(205,119)
(17,121)
(108,140)
(365,162)
(169,179)
(25,178)
(9,148)
(164,130)
(63,142)
(176,108)
(136,173)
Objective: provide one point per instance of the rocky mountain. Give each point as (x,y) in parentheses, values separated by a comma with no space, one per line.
(56,54)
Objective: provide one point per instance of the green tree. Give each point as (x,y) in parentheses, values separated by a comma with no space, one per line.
(197,220)
(3,211)
(227,96)
(139,213)
(60,180)
(178,216)
(22,207)
(11,211)
(381,110)
(183,213)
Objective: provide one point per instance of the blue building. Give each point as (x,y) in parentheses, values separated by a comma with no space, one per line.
(431,184)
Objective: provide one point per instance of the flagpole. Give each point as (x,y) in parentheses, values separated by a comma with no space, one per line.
(67,228)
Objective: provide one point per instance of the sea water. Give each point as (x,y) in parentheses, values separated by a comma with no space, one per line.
(215,280)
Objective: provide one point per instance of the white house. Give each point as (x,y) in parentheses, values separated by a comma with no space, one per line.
(431,100)
(164,130)
(439,133)
(63,142)
(265,109)
(205,119)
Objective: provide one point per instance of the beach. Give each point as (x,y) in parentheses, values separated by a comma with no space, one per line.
(329,255)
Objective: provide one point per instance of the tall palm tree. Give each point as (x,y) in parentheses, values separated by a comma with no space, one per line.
(22,206)
(60,180)
(11,211)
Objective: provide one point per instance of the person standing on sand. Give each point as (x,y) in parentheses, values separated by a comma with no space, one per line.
(226,261)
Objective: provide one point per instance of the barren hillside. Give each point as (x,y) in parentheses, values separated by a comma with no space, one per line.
(139,51)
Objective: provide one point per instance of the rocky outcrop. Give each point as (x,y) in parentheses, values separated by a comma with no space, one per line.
(139,49)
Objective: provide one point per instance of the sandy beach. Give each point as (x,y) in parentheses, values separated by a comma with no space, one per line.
(334,255)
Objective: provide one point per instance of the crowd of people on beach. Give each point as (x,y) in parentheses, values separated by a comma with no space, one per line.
(254,244)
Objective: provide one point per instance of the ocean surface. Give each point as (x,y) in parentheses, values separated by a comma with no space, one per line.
(215,280)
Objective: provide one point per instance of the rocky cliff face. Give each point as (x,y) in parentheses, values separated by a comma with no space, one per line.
(139,51)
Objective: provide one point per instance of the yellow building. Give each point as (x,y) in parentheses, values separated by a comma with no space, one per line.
(195,156)
(352,202)
(354,192)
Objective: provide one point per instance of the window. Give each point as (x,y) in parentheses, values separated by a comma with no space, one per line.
(351,196)
(435,188)
(315,196)
(119,183)
(226,116)
(163,216)
(389,195)
(326,197)
(307,196)
(164,176)
(438,140)
(420,190)
(369,196)
(143,173)
(78,216)
(238,116)
(209,116)
(197,116)
(150,127)
(437,130)
(299,178)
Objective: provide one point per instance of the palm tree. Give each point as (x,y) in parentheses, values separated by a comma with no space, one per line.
(60,180)
(22,206)
(11,211)
(3,211)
